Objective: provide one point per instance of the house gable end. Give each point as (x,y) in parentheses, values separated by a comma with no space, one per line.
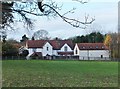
(76,49)
(65,47)
(47,49)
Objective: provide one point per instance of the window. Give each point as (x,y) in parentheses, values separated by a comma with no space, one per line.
(65,49)
(47,48)
(96,46)
(101,56)
(76,52)
(83,47)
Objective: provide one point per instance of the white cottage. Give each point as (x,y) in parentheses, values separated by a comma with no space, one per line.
(91,51)
(43,48)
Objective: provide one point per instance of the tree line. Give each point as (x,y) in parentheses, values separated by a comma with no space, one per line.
(94,37)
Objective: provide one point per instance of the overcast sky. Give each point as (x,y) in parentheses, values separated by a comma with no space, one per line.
(105,13)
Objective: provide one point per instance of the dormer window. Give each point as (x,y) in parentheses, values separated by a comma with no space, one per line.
(96,46)
(102,47)
(65,49)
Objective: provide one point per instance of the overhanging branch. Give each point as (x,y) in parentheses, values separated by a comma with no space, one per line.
(51,10)
(81,1)
(73,22)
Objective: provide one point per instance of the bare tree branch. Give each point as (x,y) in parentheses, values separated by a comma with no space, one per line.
(73,22)
(70,11)
(50,9)
(81,1)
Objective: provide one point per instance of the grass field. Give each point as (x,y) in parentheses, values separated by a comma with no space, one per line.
(47,73)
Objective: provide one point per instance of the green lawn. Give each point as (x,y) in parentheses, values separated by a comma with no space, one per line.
(47,73)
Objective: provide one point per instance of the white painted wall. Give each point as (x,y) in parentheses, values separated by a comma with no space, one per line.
(49,51)
(30,51)
(55,52)
(44,50)
(98,53)
(84,54)
(63,47)
(39,50)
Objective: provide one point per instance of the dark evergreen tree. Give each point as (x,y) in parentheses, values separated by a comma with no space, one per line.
(94,37)
(24,38)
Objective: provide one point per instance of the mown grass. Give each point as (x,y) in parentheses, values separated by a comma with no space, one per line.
(47,73)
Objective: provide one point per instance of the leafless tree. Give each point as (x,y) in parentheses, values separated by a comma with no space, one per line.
(81,1)
(37,8)
(41,34)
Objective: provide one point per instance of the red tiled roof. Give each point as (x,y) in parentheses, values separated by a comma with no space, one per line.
(65,53)
(92,46)
(57,44)
(35,43)
(68,42)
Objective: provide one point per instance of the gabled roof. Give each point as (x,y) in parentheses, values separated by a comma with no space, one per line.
(92,46)
(56,44)
(68,42)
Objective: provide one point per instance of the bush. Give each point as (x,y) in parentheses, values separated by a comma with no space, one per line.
(9,50)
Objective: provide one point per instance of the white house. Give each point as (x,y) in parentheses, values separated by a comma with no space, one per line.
(43,48)
(65,48)
(91,51)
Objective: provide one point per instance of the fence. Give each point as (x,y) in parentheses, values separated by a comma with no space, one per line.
(62,58)
(13,58)
(94,58)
